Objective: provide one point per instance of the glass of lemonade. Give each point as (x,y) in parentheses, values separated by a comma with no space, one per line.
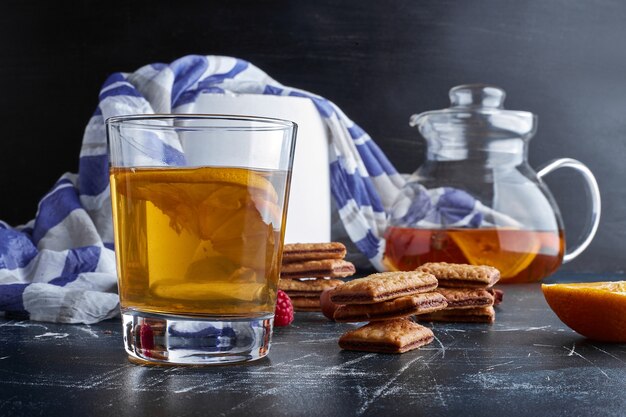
(199,207)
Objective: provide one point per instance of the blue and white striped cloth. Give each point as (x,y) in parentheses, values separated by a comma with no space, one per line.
(60,267)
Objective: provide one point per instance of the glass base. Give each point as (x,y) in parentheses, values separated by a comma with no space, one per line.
(159,339)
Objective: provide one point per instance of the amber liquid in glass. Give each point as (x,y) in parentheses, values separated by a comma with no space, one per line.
(198,241)
(520,255)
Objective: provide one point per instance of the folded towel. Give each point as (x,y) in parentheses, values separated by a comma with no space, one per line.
(60,266)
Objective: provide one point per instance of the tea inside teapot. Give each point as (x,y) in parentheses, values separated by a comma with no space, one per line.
(520,255)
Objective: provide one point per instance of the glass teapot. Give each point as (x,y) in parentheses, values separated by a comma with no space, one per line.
(476,200)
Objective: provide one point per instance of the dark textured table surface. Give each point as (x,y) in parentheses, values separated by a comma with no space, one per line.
(527,363)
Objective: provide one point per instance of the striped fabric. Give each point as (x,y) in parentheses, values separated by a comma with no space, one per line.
(60,267)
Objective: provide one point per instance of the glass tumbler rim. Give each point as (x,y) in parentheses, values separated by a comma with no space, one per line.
(262,123)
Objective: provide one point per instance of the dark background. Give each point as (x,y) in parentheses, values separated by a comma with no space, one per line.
(380,61)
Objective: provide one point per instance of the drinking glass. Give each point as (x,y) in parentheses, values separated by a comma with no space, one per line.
(199,207)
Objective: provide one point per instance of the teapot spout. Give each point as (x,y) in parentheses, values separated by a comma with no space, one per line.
(413,120)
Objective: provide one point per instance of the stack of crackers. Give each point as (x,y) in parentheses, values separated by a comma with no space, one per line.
(387,300)
(468,292)
(310,268)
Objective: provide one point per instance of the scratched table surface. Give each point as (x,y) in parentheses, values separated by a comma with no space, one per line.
(527,363)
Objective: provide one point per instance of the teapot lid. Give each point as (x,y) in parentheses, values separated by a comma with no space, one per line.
(477,110)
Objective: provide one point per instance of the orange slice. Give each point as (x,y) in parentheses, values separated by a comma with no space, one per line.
(596,310)
(235,209)
(505,249)
(171,176)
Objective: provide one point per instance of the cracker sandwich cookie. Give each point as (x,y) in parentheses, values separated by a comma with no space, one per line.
(309,268)
(383,286)
(468,315)
(333,268)
(309,287)
(297,252)
(392,336)
(392,309)
(306,303)
(462,275)
(462,298)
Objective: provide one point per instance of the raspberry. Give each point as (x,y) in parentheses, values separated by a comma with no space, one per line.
(284,310)
(146,338)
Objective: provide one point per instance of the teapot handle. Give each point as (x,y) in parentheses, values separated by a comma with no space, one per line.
(592,185)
